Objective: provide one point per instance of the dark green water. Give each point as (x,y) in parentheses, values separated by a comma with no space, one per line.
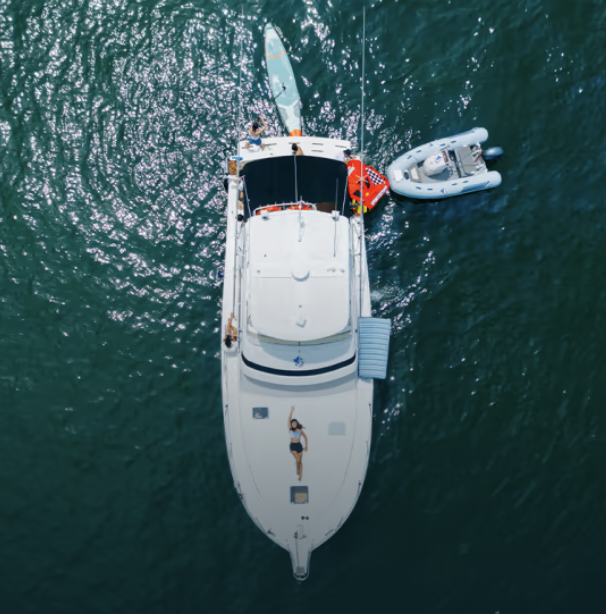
(486,490)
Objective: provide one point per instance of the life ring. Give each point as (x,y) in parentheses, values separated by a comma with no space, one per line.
(299,207)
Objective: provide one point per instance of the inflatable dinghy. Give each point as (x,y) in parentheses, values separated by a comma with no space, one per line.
(447,167)
(365,178)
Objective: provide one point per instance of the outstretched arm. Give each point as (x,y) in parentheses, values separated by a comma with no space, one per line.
(304,437)
(292,411)
(264,124)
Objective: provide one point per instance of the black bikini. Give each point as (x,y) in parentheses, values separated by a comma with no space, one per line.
(296,447)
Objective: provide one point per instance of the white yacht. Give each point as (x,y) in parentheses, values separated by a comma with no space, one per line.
(296,291)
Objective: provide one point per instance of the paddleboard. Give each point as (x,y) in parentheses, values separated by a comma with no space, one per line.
(282,82)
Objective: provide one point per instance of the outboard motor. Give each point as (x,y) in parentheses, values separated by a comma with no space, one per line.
(492,153)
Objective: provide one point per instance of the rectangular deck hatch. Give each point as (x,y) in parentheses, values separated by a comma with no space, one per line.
(260,413)
(336,428)
(299,494)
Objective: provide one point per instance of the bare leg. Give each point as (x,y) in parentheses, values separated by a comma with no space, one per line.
(300,465)
(296,460)
(246,145)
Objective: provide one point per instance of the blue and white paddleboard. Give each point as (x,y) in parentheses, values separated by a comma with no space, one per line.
(282,82)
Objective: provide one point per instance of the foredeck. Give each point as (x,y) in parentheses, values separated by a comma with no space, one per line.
(299,275)
(337,421)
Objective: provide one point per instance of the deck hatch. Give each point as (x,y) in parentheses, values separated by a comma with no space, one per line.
(260,413)
(299,494)
(336,428)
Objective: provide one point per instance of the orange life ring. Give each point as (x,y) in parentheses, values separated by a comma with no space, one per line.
(302,207)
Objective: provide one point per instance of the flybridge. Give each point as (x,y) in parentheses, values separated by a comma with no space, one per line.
(300,290)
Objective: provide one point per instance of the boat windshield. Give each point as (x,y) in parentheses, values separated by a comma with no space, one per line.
(292,179)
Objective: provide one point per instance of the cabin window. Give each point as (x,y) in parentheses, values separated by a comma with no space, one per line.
(299,494)
(260,413)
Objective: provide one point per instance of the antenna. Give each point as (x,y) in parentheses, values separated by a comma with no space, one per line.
(296,180)
(336,195)
(294,159)
(362,148)
(238,134)
(246,196)
(335,213)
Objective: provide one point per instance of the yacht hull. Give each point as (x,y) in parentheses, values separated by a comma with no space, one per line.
(334,405)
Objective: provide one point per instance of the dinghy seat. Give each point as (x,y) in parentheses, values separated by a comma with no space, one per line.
(413,172)
(465,159)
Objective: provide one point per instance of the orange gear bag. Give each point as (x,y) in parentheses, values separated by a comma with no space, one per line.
(365,178)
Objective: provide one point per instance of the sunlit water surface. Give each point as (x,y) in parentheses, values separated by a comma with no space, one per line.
(485,491)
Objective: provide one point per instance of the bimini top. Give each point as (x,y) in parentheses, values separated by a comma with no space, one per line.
(290,179)
(299,276)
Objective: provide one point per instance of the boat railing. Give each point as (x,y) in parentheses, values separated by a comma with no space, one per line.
(302,205)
